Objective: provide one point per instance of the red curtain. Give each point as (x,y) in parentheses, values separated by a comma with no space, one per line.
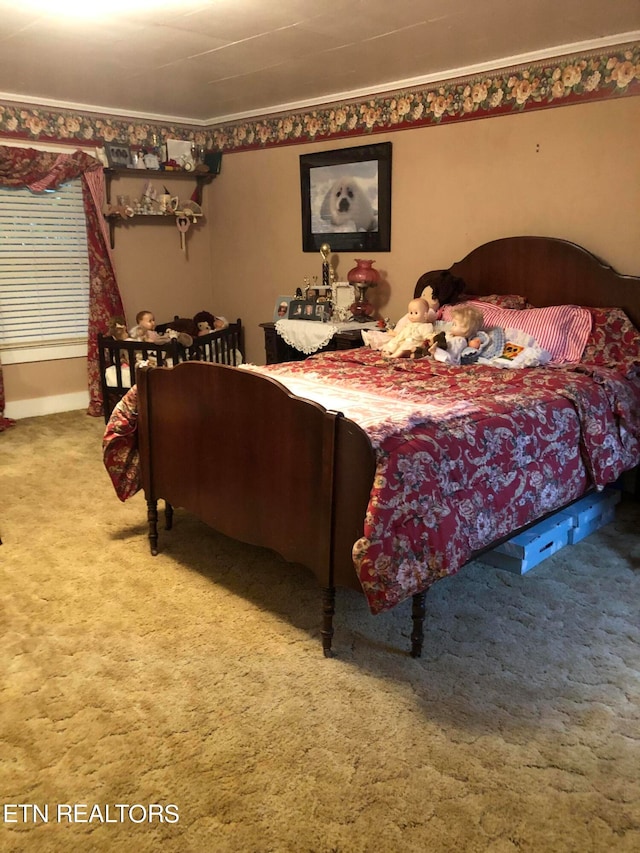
(40,170)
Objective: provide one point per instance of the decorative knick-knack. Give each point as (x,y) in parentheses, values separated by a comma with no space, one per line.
(363,276)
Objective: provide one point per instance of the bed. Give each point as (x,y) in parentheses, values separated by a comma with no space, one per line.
(115,358)
(370,473)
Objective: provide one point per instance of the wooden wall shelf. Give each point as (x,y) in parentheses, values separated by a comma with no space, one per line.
(200,179)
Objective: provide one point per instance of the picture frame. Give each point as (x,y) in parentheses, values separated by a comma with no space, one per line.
(281,308)
(306,309)
(118,155)
(343,294)
(346,199)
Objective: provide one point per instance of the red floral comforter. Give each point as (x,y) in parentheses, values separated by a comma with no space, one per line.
(465,455)
(120,446)
(473,453)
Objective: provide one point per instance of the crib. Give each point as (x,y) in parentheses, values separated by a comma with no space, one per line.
(118,359)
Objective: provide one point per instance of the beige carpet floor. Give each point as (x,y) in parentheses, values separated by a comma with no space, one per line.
(195,679)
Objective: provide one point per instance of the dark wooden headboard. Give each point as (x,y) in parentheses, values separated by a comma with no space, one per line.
(547,271)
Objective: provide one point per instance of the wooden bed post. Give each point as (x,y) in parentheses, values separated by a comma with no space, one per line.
(418,611)
(152,518)
(328,611)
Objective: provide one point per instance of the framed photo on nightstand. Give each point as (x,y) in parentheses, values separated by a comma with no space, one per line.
(281,309)
(306,309)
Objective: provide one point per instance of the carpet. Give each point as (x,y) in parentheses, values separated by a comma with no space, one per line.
(182,703)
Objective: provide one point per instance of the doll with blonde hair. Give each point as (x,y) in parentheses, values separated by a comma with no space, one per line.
(464,338)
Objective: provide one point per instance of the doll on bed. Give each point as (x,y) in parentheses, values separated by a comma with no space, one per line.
(145,330)
(414,332)
(438,288)
(465,339)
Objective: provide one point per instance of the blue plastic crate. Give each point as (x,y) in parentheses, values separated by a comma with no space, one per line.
(592,512)
(528,549)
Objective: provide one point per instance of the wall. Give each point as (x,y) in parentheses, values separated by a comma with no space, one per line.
(568,172)
(571,173)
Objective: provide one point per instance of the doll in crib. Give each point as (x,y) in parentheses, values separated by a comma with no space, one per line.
(414,332)
(145,330)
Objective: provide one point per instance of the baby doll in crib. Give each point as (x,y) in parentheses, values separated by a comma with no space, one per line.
(438,288)
(414,332)
(145,330)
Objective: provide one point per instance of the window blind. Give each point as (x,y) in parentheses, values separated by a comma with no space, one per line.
(44,266)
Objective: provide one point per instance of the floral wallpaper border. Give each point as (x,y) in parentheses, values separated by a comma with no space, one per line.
(571,79)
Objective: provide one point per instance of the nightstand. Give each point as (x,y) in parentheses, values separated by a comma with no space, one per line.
(278,350)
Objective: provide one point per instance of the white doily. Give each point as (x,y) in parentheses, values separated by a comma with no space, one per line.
(309,336)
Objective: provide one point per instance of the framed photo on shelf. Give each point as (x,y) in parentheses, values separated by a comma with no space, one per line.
(118,155)
(346,199)
(281,309)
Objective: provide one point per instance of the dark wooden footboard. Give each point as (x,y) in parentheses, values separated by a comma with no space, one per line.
(257,463)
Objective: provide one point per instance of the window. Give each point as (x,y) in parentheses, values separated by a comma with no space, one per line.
(44,274)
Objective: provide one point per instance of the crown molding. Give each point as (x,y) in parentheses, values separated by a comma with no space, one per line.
(495,65)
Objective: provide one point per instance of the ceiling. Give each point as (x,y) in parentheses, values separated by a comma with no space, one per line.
(212,62)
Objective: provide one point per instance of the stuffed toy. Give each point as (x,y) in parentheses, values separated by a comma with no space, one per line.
(118,328)
(439,341)
(439,288)
(413,333)
(145,330)
(207,323)
(185,325)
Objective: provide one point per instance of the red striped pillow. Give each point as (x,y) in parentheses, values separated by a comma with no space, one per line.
(563,330)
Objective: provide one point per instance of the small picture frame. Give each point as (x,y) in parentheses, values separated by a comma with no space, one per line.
(343,294)
(118,155)
(306,309)
(281,308)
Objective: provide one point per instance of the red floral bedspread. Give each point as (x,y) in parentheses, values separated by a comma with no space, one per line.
(465,455)
(490,451)
(120,446)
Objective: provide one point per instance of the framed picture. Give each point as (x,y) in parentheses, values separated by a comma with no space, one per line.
(343,294)
(346,199)
(281,309)
(118,155)
(306,309)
